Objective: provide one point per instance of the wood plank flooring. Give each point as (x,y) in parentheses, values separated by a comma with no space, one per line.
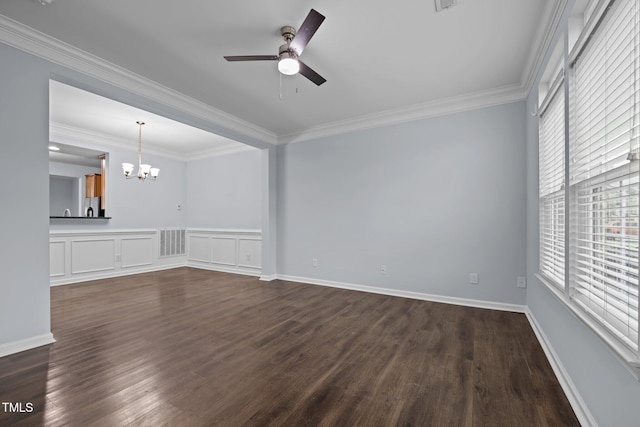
(190,347)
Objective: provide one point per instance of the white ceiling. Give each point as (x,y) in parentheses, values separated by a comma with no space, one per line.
(380,58)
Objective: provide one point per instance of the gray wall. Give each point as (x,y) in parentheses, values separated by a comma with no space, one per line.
(63,194)
(67,189)
(225,191)
(24,173)
(609,390)
(433,200)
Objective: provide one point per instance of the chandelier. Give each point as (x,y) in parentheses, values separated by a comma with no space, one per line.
(144,170)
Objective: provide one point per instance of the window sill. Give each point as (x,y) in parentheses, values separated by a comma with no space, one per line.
(626,356)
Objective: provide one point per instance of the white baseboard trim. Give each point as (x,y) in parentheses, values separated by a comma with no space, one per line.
(268,278)
(408,294)
(575,399)
(114,273)
(26,344)
(223,269)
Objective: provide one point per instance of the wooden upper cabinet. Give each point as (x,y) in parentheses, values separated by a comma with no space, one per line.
(94,185)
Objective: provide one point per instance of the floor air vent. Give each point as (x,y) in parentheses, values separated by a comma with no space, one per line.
(172,242)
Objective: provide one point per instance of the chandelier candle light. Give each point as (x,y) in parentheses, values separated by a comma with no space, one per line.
(144,170)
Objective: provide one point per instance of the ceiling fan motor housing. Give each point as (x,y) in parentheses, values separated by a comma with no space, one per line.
(286,52)
(288,33)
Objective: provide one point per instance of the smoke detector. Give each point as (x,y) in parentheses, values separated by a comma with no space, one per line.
(45,2)
(445,4)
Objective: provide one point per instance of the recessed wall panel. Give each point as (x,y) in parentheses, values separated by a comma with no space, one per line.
(198,248)
(136,252)
(224,251)
(92,255)
(56,259)
(249,253)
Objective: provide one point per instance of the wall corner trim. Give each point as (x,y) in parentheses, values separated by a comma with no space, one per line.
(26,344)
(575,399)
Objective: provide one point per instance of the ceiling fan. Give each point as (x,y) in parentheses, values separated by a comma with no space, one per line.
(288,53)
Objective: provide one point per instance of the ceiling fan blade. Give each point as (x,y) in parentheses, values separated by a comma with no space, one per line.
(252,58)
(310,74)
(306,31)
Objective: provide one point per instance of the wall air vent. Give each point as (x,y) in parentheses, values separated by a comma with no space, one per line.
(172,242)
(445,4)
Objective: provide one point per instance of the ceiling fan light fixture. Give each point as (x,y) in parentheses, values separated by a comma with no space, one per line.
(288,63)
(288,66)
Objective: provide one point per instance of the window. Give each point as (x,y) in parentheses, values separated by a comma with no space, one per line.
(604,173)
(602,199)
(551,189)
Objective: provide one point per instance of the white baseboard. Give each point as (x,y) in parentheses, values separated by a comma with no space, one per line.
(268,278)
(224,269)
(114,273)
(26,344)
(408,294)
(575,399)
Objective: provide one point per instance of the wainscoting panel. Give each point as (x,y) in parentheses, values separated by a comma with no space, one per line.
(57,258)
(136,251)
(82,255)
(249,253)
(234,251)
(198,248)
(91,256)
(224,250)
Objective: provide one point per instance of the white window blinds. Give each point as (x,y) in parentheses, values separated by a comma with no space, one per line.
(603,145)
(551,181)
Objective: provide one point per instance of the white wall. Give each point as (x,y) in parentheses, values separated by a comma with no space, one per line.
(433,200)
(610,392)
(224,192)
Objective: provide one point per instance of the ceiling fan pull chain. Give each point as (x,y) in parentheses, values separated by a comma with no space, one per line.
(280,74)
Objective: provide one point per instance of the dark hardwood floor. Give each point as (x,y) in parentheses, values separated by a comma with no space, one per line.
(189,347)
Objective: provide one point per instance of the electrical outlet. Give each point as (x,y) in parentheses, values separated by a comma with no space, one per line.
(248,257)
(179,207)
(522,282)
(474,279)
(118,259)
(314,263)
(383,269)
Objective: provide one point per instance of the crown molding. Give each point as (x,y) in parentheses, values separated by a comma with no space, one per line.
(220,151)
(551,17)
(29,40)
(65,134)
(457,104)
